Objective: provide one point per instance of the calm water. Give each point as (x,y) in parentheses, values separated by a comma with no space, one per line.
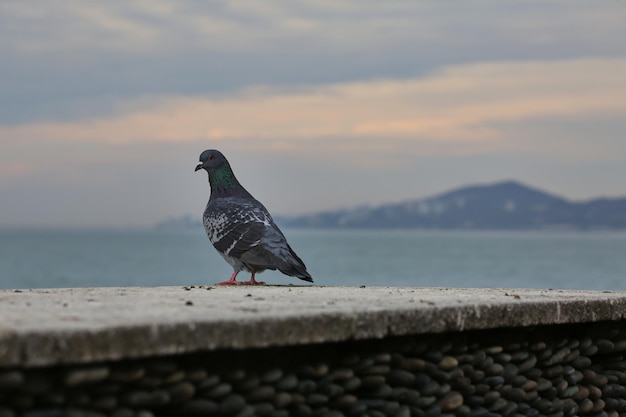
(596,260)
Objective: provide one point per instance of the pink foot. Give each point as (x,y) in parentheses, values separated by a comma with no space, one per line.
(252,281)
(231,281)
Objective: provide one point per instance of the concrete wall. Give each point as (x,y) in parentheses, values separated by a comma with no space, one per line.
(459,352)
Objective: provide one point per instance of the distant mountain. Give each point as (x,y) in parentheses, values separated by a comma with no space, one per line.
(506,206)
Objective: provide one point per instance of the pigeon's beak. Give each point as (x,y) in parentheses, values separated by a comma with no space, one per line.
(199,166)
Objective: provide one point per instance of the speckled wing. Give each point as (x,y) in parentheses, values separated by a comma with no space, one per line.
(236,226)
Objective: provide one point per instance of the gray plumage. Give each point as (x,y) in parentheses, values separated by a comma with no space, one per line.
(241,228)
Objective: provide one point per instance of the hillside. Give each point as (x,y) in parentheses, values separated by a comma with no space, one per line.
(505,205)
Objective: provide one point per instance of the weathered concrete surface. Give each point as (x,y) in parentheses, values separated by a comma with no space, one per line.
(47,327)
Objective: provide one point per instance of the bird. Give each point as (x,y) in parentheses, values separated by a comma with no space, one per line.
(241,229)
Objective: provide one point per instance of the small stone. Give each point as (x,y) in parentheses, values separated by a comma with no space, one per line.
(247,411)
(342,374)
(198,407)
(264,409)
(272,375)
(529,385)
(498,405)
(401,377)
(123,412)
(182,392)
(570,392)
(108,402)
(232,404)
(320,370)
(352,384)
(372,381)
(345,401)
(377,370)
(209,382)
(317,399)
(519,355)
(430,389)
(332,390)
(403,412)
(262,393)
(494,369)
(248,383)
(494,381)
(605,346)
(175,377)
(382,358)
(514,394)
(357,409)
(585,406)
(451,401)
(598,405)
(423,402)
(553,371)
(235,375)
(491,396)
(390,408)
(493,350)
(333,413)
(619,346)
(282,400)
(287,383)
(196,375)
(307,386)
(583,392)
(299,410)
(594,392)
(414,364)
(86,376)
(528,364)
(448,363)
(538,346)
(558,356)
(218,391)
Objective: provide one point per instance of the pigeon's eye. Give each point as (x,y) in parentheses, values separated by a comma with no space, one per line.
(211,157)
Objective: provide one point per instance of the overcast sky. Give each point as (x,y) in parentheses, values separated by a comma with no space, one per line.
(106,106)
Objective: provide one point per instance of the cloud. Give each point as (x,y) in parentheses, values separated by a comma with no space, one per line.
(468,104)
(78,60)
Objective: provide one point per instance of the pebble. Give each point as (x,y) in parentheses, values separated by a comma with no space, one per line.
(182,392)
(401,377)
(261,393)
(198,407)
(272,375)
(451,401)
(287,383)
(458,376)
(218,391)
(86,376)
(448,363)
(264,409)
(232,404)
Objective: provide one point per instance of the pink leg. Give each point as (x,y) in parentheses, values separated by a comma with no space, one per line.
(252,281)
(231,281)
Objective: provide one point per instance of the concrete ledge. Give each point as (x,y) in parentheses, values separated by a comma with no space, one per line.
(65,326)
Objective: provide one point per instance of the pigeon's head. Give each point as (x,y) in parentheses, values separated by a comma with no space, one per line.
(211,160)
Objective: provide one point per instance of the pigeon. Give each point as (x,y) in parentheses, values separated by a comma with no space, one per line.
(241,228)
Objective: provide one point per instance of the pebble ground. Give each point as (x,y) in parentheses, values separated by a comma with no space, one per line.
(567,370)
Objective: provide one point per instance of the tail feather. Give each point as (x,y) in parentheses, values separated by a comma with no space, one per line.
(295,267)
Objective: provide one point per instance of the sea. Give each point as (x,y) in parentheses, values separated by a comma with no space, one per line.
(593,260)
